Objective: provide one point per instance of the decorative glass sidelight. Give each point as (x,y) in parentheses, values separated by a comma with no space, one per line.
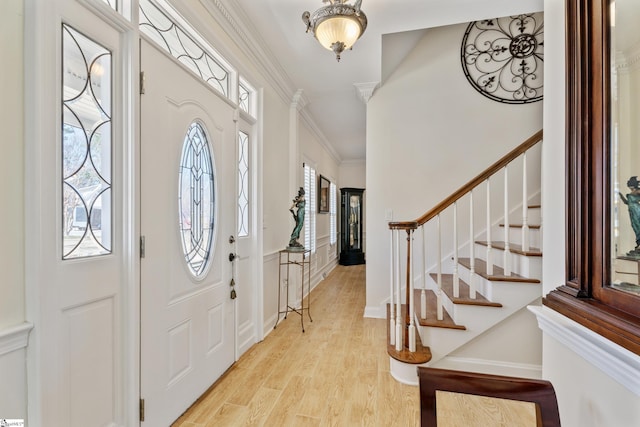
(182,45)
(86,146)
(243,184)
(196,199)
(244,98)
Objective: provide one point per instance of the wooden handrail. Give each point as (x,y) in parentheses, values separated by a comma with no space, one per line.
(508,158)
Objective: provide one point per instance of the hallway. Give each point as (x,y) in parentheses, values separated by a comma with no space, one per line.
(334,374)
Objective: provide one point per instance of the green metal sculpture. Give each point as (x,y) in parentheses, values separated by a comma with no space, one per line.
(632,200)
(297,210)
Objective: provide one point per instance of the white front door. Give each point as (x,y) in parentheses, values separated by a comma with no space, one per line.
(187,315)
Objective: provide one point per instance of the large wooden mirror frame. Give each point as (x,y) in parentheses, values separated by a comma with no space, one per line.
(586,297)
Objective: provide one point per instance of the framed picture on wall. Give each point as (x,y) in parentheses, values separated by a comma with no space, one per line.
(323,195)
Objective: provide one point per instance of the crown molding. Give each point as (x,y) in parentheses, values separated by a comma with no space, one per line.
(235,22)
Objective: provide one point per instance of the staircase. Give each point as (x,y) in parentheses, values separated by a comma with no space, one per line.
(467,265)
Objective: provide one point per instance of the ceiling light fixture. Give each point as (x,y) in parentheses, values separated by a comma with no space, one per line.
(338,25)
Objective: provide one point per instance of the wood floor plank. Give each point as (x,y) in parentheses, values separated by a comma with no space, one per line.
(286,407)
(335,374)
(304,421)
(261,405)
(229,415)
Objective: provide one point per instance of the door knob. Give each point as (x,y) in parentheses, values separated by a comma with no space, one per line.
(232,256)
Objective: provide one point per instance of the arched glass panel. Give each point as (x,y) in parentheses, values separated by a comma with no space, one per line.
(196,200)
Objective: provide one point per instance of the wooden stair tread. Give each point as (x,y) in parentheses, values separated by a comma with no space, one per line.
(534,206)
(432,312)
(464,298)
(516,249)
(498,272)
(531,226)
(422,353)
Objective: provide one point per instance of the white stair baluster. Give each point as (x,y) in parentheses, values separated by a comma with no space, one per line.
(399,334)
(489,248)
(456,277)
(525,205)
(506,262)
(439,310)
(412,326)
(392,316)
(423,294)
(472,250)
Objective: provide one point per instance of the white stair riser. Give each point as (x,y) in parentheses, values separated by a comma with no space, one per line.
(511,295)
(515,236)
(535,216)
(526,266)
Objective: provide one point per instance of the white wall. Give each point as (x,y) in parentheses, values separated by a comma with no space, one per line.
(429,132)
(587,397)
(488,353)
(11,164)
(353,174)
(276,222)
(12,300)
(314,152)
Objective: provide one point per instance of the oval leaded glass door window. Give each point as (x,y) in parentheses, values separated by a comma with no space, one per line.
(196,199)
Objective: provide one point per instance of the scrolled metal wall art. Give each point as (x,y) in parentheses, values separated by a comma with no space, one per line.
(503,58)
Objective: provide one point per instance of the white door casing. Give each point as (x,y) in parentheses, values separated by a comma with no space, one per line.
(247,253)
(187,323)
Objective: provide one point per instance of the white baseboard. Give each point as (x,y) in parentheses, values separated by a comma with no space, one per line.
(246,338)
(374,312)
(494,367)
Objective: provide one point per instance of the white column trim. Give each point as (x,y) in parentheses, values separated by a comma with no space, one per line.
(615,361)
(365,90)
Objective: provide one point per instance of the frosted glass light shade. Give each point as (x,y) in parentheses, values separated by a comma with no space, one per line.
(336,26)
(338,29)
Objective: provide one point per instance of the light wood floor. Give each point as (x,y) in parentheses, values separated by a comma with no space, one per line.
(334,374)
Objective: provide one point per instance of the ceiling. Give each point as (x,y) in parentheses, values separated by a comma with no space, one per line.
(329,87)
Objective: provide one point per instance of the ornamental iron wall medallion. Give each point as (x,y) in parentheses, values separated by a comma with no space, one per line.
(502,58)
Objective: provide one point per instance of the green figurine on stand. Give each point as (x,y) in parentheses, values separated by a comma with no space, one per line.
(297,210)
(632,200)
